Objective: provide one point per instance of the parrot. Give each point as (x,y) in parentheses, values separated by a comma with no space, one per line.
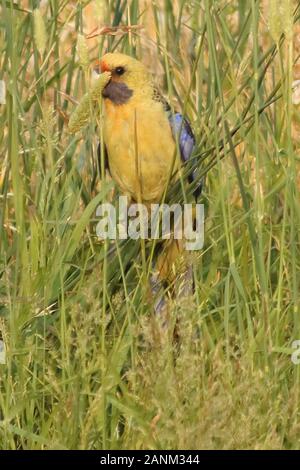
(141,135)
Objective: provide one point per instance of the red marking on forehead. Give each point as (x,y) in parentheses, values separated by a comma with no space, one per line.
(101,66)
(104,67)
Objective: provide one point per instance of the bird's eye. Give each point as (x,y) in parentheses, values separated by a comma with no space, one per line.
(119,70)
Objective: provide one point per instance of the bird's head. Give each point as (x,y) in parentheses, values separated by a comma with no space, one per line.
(129,77)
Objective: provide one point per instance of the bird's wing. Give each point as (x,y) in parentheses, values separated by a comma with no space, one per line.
(181,130)
(157,96)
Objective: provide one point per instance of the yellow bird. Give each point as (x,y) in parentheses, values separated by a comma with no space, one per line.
(140,133)
(137,132)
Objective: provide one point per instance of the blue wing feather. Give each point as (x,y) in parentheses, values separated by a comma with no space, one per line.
(186,142)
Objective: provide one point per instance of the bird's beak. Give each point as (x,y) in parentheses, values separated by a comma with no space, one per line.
(104,67)
(98,68)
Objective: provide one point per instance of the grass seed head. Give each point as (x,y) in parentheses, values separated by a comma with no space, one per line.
(40,33)
(81,114)
(83,52)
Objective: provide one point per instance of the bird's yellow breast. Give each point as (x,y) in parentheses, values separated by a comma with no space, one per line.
(141,148)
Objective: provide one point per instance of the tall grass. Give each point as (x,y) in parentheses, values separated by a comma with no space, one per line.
(87,363)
